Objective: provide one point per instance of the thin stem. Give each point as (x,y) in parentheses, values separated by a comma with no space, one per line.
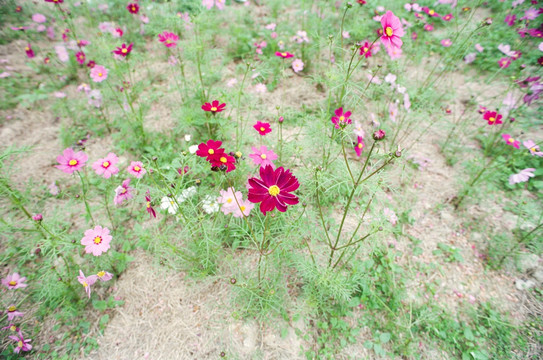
(84,190)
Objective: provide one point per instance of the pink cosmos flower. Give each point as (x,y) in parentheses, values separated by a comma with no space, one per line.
(209,4)
(522,176)
(391,216)
(244,208)
(62,53)
(341,119)
(510,19)
(14,281)
(39,18)
(87,282)
(22,343)
(504,62)
(106,166)
(448,17)
(136,169)
(284,55)
(297,65)
(392,31)
(123,192)
(228,200)
(446,42)
(96,240)
(534,149)
(470,58)
(359,146)
(428,27)
(104,275)
(169,39)
(530,14)
(71,161)
(12,312)
(98,73)
(358,130)
(393,111)
(262,156)
(510,141)
(80,57)
(262,128)
(53,189)
(479,48)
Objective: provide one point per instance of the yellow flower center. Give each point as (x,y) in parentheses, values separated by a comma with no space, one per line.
(342,118)
(12,308)
(20,344)
(101,273)
(100,74)
(263,156)
(492,119)
(223,160)
(238,154)
(431,12)
(229,200)
(211,151)
(274,190)
(137,168)
(168,41)
(72,162)
(242,208)
(284,54)
(389,31)
(12,283)
(360,146)
(124,51)
(97,240)
(262,129)
(365,49)
(148,204)
(213,108)
(13,328)
(27,48)
(85,284)
(511,140)
(106,164)
(532,149)
(172,202)
(133,8)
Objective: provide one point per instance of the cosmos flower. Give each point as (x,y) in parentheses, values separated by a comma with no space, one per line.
(273,189)
(14,281)
(522,176)
(98,73)
(136,169)
(359,146)
(392,31)
(504,62)
(493,118)
(510,141)
(534,149)
(210,149)
(213,107)
(106,166)
(446,42)
(284,55)
(123,50)
(367,49)
(169,39)
(149,205)
(87,282)
(104,275)
(262,128)
(29,52)
(210,205)
(340,118)
(71,161)
(229,200)
(510,19)
(297,65)
(262,156)
(223,161)
(133,8)
(97,240)
(22,343)
(123,192)
(244,208)
(12,312)
(448,17)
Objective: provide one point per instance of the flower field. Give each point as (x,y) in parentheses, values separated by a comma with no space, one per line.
(271,179)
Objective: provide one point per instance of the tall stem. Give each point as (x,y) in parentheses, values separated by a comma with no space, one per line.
(84,190)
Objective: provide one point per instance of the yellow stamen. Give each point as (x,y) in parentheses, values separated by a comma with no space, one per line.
(242,208)
(389,31)
(263,156)
(223,160)
(342,118)
(431,12)
(106,164)
(12,308)
(100,74)
(229,200)
(262,129)
(213,108)
(27,48)
(97,240)
(511,140)
(137,168)
(211,151)
(101,273)
(274,190)
(20,344)
(284,54)
(13,328)
(532,149)
(360,146)
(148,204)
(491,119)
(72,162)
(124,51)
(12,283)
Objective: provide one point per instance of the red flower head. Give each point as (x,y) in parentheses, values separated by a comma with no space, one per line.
(18,9)
(91,64)
(223,161)
(46,60)
(273,189)
(341,119)
(80,57)
(540,61)
(366,49)
(214,107)
(379,135)
(149,206)
(493,118)
(123,50)
(262,128)
(133,8)
(392,31)
(361,2)
(55,1)
(284,55)
(210,149)
(29,51)
(504,62)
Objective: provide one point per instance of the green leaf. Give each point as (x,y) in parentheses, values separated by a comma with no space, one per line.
(384,337)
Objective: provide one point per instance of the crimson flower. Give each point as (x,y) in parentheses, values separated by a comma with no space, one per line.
(284,55)
(222,160)
(366,49)
(359,146)
(133,8)
(29,51)
(209,149)
(341,119)
(262,128)
(80,57)
(214,107)
(91,64)
(273,189)
(55,1)
(149,206)
(123,50)
(430,12)
(493,118)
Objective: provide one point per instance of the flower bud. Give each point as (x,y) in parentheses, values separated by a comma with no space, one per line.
(233,281)
(281,119)
(37,217)
(223,167)
(379,135)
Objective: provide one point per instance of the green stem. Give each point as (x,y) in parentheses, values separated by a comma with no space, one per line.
(84,190)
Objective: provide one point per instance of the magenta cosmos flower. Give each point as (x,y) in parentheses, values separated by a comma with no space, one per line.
(341,119)
(55,1)
(169,39)
(98,73)
(136,169)
(392,31)
(80,57)
(12,312)
(359,146)
(123,50)
(504,62)
(446,42)
(510,141)
(149,205)
(123,192)
(22,343)
(29,51)
(367,49)
(14,281)
(284,55)
(87,282)
(133,8)
(214,107)
(106,166)
(71,161)
(273,189)
(96,240)
(492,117)
(262,156)
(209,149)
(262,128)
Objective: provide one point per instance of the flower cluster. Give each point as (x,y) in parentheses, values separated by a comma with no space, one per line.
(216,156)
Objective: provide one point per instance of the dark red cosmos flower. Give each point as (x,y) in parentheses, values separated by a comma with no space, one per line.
(379,135)
(123,50)
(493,118)
(220,159)
(46,60)
(366,49)
(284,55)
(210,149)
(80,57)
(361,2)
(540,61)
(18,9)
(29,51)
(273,189)
(214,107)
(149,206)
(262,128)
(91,64)
(133,8)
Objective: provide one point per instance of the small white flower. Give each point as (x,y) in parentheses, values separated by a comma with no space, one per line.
(188,137)
(210,204)
(168,203)
(187,193)
(193,149)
